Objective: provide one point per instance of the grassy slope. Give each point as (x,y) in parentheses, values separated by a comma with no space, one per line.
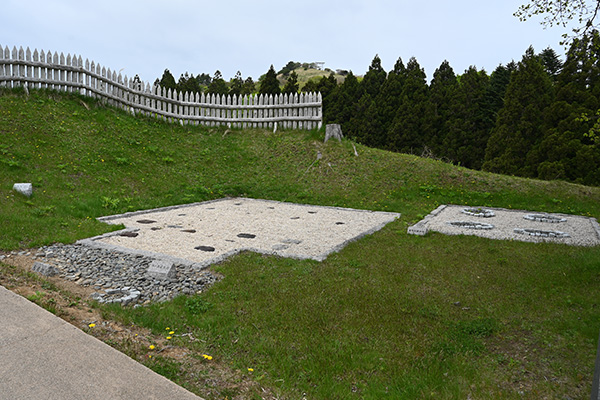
(311,74)
(378,319)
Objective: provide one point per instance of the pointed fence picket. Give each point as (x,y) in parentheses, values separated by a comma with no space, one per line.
(47,70)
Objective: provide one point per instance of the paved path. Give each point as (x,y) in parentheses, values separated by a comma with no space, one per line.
(44,357)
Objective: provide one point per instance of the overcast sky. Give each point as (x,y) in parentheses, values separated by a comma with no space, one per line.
(145,37)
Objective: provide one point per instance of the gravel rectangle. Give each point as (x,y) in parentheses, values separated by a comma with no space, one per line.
(208,232)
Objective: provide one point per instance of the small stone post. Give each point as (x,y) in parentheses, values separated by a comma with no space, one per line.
(333,131)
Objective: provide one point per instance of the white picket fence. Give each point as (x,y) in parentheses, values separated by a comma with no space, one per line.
(53,71)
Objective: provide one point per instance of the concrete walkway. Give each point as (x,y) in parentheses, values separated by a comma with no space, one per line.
(44,357)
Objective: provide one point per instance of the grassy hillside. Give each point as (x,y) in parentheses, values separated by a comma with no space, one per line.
(390,316)
(310,74)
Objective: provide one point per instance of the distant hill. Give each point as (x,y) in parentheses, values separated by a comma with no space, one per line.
(309,71)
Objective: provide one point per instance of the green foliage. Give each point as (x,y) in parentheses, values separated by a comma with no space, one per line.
(562,12)
(520,124)
(270,84)
(289,68)
(291,86)
(187,83)
(197,305)
(218,86)
(168,80)
(236,86)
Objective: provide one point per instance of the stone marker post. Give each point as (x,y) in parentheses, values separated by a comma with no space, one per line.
(333,131)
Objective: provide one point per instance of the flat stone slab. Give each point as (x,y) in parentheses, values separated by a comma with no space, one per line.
(507,224)
(228,226)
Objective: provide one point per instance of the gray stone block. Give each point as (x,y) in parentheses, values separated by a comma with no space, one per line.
(417,229)
(44,269)
(26,189)
(333,131)
(162,270)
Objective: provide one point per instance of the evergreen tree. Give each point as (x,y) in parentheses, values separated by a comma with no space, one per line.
(218,85)
(270,84)
(374,78)
(326,85)
(497,88)
(365,123)
(187,83)
(249,87)
(443,92)
(520,124)
(168,80)
(236,85)
(362,122)
(386,105)
(551,62)
(566,151)
(469,120)
(412,124)
(310,86)
(203,79)
(342,104)
(289,67)
(291,86)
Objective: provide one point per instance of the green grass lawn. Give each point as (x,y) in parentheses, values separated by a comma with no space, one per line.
(390,316)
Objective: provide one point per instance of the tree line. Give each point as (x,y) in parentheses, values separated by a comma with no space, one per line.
(204,83)
(536,118)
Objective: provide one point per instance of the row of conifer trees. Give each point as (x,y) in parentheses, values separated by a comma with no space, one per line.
(535,118)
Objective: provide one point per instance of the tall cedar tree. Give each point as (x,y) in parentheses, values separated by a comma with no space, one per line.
(374,78)
(499,81)
(443,92)
(270,84)
(341,107)
(469,121)
(387,101)
(366,124)
(412,124)
(520,124)
(551,62)
(566,152)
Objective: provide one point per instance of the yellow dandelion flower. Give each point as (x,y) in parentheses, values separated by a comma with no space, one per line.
(167,328)
(250,369)
(168,337)
(151,347)
(92,325)
(207,357)
(172,332)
